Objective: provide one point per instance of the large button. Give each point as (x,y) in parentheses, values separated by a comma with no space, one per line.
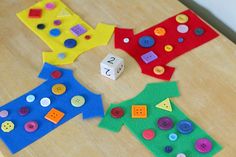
(146,41)
(4,113)
(50,6)
(158,70)
(203,145)
(55,32)
(173,137)
(139,111)
(77,101)
(185,127)
(148,134)
(165,123)
(149,57)
(181,18)
(181,155)
(30,98)
(56,74)
(23,111)
(117,112)
(7,126)
(70,43)
(58,89)
(45,102)
(199,31)
(182,28)
(168,149)
(168,48)
(159,31)
(31,126)
(41,26)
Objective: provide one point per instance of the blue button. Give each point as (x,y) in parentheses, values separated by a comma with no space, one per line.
(199,31)
(173,137)
(185,127)
(146,41)
(55,32)
(70,43)
(168,149)
(180,40)
(61,55)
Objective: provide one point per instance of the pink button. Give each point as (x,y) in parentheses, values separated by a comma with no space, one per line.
(148,134)
(3,113)
(203,145)
(31,126)
(50,6)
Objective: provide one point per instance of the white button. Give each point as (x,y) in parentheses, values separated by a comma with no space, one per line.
(181,155)
(45,102)
(30,98)
(126,40)
(182,28)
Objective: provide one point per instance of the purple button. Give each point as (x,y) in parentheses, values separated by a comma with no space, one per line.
(203,145)
(31,126)
(78,30)
(149,57)
(23,111)
(57,22)
(3,113)
(165,123)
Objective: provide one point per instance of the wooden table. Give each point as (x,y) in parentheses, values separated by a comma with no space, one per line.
(206,79)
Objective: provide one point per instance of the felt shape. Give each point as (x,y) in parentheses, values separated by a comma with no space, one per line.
(57,112)
(68,19)
(168,43)
(153,94)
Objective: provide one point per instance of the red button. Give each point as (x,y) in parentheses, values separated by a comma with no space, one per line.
(87,37)
(31,126)
(23,111)
(117,112)
(148,134)
(56,74)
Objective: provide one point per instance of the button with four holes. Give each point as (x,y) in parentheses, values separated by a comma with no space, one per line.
(181,18)
(185,126)
(4,113)
(158,70)
(70,43)
(146,41)
(203,145)
(182,28)
(165,123)
(7,126)
(23,111)
(139,111)
(148,134)
(77,101)
(45,102)
(56,74)
(159,31)
(31,126)
(168,149)
(54,116)
(58,89)
(117,112)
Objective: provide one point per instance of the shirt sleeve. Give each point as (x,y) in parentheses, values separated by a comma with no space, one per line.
(110,123)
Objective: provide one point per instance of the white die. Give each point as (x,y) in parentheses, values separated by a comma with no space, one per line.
(112,66)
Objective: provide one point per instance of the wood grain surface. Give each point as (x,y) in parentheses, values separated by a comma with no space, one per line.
(206,78)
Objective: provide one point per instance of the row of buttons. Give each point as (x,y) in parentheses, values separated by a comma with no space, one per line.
(202,145)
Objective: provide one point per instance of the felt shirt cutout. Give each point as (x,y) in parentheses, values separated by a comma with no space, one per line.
(18,138)
(67,20)
(153,94)
(168,43)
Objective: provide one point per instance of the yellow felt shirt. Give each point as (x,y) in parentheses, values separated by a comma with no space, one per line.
(99,36)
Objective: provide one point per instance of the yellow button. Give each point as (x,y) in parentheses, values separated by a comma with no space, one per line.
(7,126)
(58,89)
(159,31)
(168,48)
(77,101)
(181,18)
(158,70)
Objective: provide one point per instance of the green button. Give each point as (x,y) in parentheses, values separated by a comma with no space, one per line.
(77,101)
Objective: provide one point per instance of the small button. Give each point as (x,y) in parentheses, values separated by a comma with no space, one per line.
(165,123)
(168,48)
(199,31)
(126,40)
(41,26)
(23,111)
(56,74)
(173,137)
(182,28)
(57,22)
(185,127)
(180,40)
(54,116)
(117,112)
(55,32)
(139,111)
(181,18)
(87,37)
(30,98)
(149,57)
(31,126)
(58,89)
(45,102)
(77,101)
(50,6)
(158,70)
(70,43)
(159,31)
(148,134)
(61,55)
(4,113)
(181,155)
(203,145)
(7,126)
(168,149)
(146,41)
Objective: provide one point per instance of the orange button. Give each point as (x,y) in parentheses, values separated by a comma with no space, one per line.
(160,31)
(139,111)
(58,89)
(54,115)
(158,70)
(168,48)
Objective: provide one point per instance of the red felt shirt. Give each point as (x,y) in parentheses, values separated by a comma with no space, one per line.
(191,40)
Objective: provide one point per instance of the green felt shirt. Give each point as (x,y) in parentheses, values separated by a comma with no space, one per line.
(153,94)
